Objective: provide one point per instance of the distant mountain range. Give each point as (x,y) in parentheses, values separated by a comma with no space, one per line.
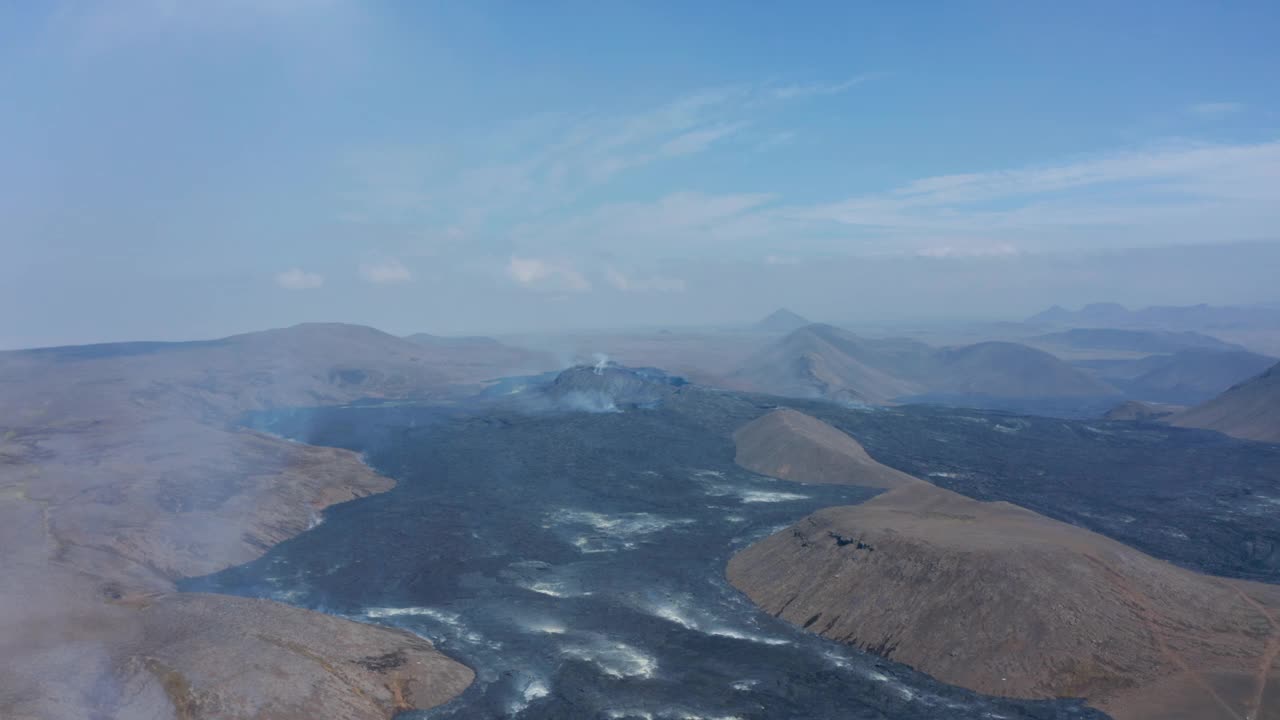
(485,355)
(829,362)
(1171,317)
(1185,377)
(1146,341)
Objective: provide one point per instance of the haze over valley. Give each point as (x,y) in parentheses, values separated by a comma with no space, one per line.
(639,361)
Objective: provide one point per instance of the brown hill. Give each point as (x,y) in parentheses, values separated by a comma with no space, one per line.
(482,357)
(1249,410)
(1008,369)
(1005,601)
(120,472)
(826,361)
(793,446)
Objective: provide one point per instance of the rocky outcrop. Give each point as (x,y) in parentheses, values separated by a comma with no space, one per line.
(301,664)
(1002,600)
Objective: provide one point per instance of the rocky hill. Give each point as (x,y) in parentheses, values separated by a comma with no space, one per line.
(1249,410)
(1005,601)
(793,446)
(121,471)
(828,362)
(825,361)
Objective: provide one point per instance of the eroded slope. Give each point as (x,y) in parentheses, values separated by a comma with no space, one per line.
(1005,601)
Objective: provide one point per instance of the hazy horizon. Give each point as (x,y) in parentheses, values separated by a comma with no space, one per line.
(185,171)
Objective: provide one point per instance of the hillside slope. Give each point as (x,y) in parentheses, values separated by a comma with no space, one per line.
(828,362)
(1140,341)
(121,471)
(1249,410)
(825,361)
(1005,601)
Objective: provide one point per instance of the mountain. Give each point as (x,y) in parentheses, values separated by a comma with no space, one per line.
(1249,410)
(828,362)
(781,320)
(997,598)
(825,361)
(1006,369)
(1144,341)
(1186,377)
(609,387)
(482,356)
(1169,317)
(790,445)
(1105,313)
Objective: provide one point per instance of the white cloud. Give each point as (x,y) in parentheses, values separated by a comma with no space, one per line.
(1153,196)
(652,283)
(531,168)
(698,140)
(534,189)
(298,279)
(541,274)
(802,90)
(1216,109)
(385,272)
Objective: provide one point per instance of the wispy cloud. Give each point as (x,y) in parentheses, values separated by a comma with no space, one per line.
(543,274)
(688,221)
(698,140)
(553,186)
(645,283)
(1137,192)
(385,272)
(299,279)
(1215,109)
(530,170)
(803,90)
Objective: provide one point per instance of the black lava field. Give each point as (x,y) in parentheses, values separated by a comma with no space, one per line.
(572,550)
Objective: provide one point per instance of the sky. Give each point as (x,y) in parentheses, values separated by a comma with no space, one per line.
(175,170)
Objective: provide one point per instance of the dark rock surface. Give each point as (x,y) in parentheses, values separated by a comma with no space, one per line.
(575,560)
(1198,499)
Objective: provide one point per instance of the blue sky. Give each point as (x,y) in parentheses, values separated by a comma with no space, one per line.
(184,169)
